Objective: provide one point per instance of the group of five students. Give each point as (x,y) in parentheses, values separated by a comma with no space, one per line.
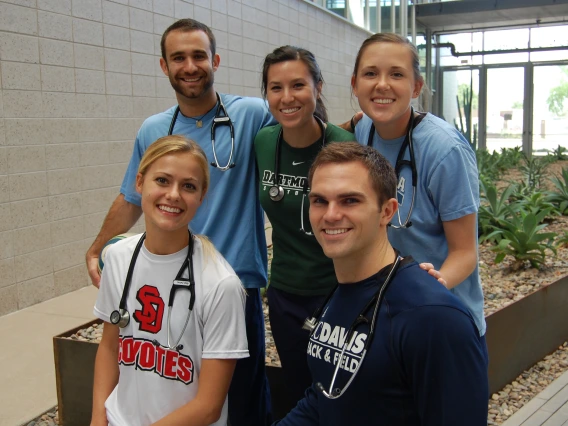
(267,165)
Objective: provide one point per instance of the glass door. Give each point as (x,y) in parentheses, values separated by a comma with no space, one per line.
(460,103)
(550,110)
(505,111)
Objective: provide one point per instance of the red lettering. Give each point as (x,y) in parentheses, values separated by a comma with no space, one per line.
(185,369)
(119,349)
(147,356)
(170,365)
(128,352)
(160,356)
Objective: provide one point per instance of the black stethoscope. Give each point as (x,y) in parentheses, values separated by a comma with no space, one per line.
(221,119)
(276,192)
(401,162)
(121,316)
(310,324)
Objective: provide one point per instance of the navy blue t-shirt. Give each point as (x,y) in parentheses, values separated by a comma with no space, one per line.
(426,364)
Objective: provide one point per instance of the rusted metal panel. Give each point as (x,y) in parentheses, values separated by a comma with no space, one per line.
(74,369)
(523,333)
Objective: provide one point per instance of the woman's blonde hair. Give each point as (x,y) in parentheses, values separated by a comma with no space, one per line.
(178,144)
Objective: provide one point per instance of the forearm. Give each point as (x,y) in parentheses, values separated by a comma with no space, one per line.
(194,413)
(205,409)
(458,266)
(105,377)
(121,216)
(462,249)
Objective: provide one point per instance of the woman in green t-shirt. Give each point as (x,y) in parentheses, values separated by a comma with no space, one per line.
(301,275)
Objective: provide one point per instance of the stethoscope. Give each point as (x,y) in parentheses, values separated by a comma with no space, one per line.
(400,163)
(276,192)
(310,324)
(121,317)
(222,119)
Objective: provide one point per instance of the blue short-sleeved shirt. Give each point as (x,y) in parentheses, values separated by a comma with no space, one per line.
(447,189)
(231,215)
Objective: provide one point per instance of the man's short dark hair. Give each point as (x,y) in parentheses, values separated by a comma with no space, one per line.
(381,173)
(187,25)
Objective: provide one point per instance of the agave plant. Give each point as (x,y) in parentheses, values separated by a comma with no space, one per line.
(559,197)
(494,210)
(522,238)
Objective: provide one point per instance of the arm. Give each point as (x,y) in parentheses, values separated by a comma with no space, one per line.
(305,413)
(120,218)
(205,408)
(462,250)
(106,373)
(443,359)
(350,125)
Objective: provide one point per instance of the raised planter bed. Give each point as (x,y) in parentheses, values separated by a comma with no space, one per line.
(74,369)
(524,332)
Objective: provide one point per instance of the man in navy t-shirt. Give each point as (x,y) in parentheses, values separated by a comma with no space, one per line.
(419,360)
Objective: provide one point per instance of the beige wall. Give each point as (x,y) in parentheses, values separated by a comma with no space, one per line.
(77,78)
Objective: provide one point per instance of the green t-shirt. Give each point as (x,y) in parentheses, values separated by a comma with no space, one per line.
(299,265)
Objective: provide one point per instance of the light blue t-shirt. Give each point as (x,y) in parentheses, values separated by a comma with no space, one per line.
(231,215)
(447,189)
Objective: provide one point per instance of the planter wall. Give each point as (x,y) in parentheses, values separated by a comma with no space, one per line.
(518,336)
(523,333)
(74,369)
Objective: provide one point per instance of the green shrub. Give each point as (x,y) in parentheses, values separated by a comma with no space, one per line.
(521,238)
(494,210)
(559,197)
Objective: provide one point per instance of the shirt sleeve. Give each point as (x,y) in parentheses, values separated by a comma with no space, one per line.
(454,183)
(305,413)
(224,332)
(108,297)
(128,187)
(443,361)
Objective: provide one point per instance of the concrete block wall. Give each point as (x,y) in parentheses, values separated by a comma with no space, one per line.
(78,77)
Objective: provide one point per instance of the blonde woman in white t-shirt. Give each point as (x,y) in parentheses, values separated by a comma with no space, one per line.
(167,360)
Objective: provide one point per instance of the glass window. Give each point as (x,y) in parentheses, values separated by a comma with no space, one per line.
(550,37)
(550,110)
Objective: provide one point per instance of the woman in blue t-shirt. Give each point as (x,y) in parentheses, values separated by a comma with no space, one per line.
(437,219)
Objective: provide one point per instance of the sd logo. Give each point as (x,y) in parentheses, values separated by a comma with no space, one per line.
(151,315)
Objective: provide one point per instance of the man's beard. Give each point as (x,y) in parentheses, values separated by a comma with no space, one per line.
(193,93)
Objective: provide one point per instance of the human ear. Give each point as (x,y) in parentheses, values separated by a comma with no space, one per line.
(354,85)
(164,66)
(388,210)
(418,84)
(216,61)
(139,181)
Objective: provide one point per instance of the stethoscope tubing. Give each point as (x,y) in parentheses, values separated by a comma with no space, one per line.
(276,192)
(222,119)
(123,318)
(377,298)
(400,162)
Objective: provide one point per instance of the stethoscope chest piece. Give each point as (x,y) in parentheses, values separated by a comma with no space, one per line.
(276,192)
(120,317)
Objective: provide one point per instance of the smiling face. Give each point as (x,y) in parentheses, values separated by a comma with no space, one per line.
(292,94)
(171,191)
(345,214)
(189,64)
(384,84)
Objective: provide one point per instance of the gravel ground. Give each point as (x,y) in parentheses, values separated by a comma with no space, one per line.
(502,285)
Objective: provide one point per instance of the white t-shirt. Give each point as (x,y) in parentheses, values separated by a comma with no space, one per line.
(155,380)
